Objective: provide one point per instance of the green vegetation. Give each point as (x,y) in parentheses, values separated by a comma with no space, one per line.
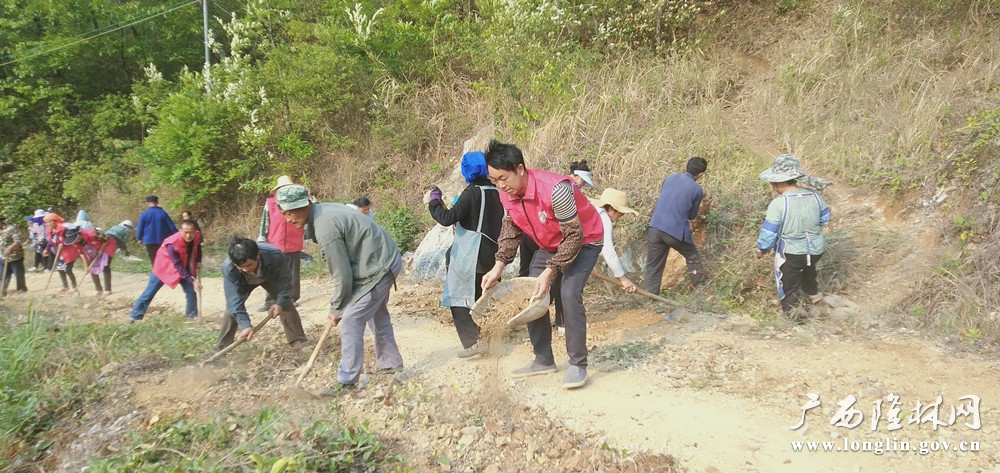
(230,441)
(377,98)
(52,368)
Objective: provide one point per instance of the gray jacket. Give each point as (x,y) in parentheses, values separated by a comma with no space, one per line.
(358,252)
(277,280)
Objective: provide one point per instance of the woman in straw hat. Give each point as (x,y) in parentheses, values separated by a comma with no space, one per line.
(611,206)
(792,228)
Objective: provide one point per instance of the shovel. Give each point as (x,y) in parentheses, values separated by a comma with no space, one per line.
(3,278)
(315,352)
(237,343)
(55,260)
(650,295)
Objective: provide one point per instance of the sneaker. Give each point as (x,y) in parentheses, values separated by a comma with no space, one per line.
(474,350)
(63,290)
(301,345)
(107,293)
(576,376)
(32,270)
(561,329)
(533,369)
(98,293)
(815,298)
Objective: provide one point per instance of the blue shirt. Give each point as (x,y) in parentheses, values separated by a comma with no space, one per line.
(680,197)
(154,226)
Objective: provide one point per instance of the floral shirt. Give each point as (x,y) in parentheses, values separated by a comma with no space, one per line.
(9,236)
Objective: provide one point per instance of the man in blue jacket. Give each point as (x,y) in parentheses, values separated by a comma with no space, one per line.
(154,227)
(669,226)
(251,265)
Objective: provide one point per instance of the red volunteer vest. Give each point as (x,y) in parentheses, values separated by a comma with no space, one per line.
(532,213)
(69,253)
(164,268)
(280,233)
(87,237)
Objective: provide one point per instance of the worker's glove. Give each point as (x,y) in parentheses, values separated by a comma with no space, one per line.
(436,193)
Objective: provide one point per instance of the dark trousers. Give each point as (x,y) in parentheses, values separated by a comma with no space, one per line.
(15,268)
(289,320)
(575,315)
(68,272)
(468,330)
(528,248)
(107,279)
(295,265)
(45,262)
(151,249)
(796,275)
(658,246)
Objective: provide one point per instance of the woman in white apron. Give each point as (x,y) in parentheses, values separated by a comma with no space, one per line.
(792,228)
(476,215)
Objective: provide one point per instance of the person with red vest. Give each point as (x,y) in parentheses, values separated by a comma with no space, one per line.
(177,262)
(97,250)
(569,233)
(62,240)
(286,237)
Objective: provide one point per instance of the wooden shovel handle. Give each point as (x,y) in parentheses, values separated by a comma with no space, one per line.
(237,343)
(315,352)
(652,296)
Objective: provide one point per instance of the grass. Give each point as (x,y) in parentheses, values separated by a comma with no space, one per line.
(234,442)
(52,367)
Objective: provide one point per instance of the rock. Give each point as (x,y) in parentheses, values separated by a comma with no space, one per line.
(553,453)
(841,314)
(492,469)
(868,322)
(110,368)
(472,431)
(465,442)
(518,436)
(833,300)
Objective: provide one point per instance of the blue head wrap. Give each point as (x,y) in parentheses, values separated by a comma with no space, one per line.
(474,166)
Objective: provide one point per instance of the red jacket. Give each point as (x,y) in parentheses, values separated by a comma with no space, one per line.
(280,233)
(532,213)
(170,272)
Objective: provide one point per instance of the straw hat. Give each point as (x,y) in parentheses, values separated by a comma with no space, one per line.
(616,199)
(282,182)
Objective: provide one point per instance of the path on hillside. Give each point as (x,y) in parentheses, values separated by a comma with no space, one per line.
(720,396)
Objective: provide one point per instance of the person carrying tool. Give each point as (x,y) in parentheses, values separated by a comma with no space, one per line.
(793,229)
(12,249)
(610,207)
(36,234)
(120,233)
(476,216)
(669,226)
(61,240)
(569,233)
(251,265)
(363,261)
(284,236)
(177,262)
(98,250)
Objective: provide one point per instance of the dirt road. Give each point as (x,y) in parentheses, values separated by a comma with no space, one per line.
(718,395)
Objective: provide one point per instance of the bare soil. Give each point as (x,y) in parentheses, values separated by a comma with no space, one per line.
(716,393)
